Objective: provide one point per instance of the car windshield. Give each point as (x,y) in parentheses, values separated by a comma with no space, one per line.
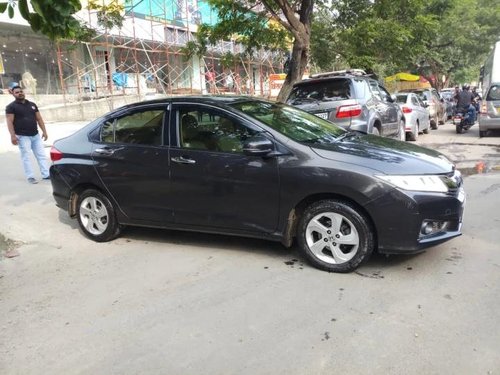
(401,98)
(332,90)
(292,122)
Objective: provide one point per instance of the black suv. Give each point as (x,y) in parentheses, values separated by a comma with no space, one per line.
(352,100)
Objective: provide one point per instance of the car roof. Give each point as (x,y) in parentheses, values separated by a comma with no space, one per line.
(309,81)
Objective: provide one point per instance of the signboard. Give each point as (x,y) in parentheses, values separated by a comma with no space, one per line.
(2,70)
(276,83)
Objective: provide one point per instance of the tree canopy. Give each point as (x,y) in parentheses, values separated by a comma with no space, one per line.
(434,38)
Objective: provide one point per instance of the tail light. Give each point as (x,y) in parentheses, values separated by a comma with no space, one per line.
(348,111)
(407,110)
(55,154)
(484,109)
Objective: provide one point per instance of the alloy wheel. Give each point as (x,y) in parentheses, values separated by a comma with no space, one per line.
(94,216)
(332,238)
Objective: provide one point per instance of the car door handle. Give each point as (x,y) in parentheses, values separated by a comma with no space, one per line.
(107,151)
(183,160)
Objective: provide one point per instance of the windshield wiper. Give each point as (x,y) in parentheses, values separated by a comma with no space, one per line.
(302,100)
(346,135)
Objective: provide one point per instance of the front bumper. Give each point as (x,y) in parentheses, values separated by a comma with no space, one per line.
(400,228)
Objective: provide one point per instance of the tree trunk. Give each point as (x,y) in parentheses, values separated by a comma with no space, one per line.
(297,67)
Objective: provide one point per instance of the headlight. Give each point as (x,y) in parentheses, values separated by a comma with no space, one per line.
(417,183)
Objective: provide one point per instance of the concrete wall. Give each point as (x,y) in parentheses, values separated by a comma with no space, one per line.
(82,111)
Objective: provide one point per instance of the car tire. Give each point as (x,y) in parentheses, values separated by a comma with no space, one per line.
(482,133)
(375,131)
(335,236)
(425,131)
(433,124)
(413,135)
(96,216)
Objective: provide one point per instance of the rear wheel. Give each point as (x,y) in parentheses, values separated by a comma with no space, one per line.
(482,133)
(413,135)
(335,236)
(433,124)
(459,129)
(375,131)
(96,216)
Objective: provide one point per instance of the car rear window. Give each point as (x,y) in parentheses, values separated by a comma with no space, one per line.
(494,93)
(401,98)
(332,90)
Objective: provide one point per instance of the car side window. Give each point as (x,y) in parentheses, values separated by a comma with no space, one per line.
(205,129)
(375,90)
(494,93)
(143,127)
(414,101)
(386,97)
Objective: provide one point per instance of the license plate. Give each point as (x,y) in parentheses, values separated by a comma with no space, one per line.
(323,115)
(457,120)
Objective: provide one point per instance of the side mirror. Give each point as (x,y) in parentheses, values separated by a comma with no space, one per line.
(258,146)
(394,98)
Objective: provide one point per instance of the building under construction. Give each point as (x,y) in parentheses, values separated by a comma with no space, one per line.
(143,57)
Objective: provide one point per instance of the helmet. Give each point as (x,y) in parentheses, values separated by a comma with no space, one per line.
(465,86)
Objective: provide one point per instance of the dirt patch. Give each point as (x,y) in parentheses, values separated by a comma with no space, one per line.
(7,246)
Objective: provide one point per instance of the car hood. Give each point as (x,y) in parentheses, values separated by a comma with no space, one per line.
(385,155)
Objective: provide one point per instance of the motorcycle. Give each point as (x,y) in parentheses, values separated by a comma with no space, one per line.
(463,120)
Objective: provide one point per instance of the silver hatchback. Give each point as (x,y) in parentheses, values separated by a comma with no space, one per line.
(489,117)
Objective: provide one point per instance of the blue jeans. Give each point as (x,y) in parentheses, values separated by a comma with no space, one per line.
(35,143)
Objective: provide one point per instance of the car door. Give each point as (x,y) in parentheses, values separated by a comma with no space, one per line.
(384,110)
(425,113)
(214,183)
(131,159)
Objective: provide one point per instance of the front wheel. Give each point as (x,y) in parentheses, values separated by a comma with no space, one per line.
(96,216)
(335,236)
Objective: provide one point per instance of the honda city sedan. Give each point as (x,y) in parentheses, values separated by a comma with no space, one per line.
(249,167)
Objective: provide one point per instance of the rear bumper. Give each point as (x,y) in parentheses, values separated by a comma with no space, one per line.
(489,123)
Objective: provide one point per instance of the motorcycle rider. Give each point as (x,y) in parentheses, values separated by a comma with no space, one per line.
(464,102)
(476,98)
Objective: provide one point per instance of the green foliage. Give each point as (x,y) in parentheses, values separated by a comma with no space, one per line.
(251,29)
(53,18)
(429,37)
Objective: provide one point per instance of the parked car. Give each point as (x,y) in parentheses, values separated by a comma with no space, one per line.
(352,100)
(248,167)
(489,116)
(416,114)
(436,106)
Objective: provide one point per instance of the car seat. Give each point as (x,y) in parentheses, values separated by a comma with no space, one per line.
(227,138)
(190,133)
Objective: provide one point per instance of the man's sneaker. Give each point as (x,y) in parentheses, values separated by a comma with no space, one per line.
(46,178)
(31,180)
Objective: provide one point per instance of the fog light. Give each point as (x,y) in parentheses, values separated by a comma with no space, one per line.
(432,226)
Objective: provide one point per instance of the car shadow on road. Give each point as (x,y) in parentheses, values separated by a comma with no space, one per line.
(372,268)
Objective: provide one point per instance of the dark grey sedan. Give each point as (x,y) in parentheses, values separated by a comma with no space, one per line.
(247,167)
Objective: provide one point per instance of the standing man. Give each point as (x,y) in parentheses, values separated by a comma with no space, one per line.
(22,119)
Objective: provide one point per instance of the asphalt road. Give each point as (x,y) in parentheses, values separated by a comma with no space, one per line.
(166,302)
